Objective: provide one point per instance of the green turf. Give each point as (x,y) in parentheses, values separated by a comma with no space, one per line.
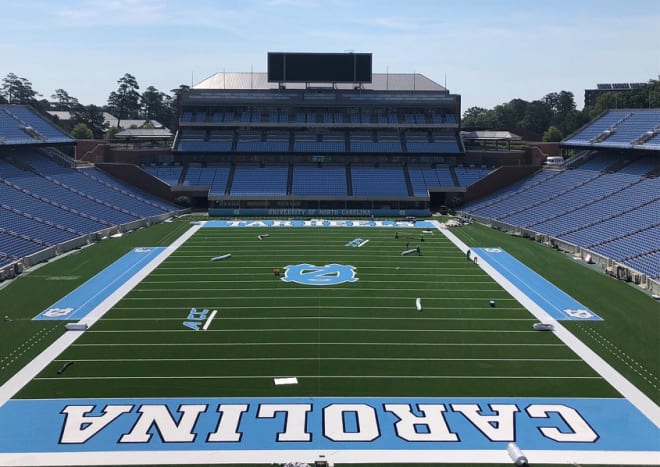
(335,336)
(21,339)
(629,335)
(357,339)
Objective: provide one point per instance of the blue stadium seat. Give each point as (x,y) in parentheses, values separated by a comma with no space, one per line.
(259,181)
(613,214)
(35,126)
(381,181)
(319,181)
(169,175)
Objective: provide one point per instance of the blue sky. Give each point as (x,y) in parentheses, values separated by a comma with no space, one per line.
(490,51)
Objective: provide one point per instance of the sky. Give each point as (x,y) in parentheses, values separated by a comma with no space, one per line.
(488,51)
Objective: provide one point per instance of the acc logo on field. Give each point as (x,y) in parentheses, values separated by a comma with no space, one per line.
(142,250)
(55,312)
(493,250)
(330,274)
(580,314)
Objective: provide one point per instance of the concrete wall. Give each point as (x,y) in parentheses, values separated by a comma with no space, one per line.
(91,150)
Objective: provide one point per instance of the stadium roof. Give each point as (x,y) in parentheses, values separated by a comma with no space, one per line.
(145,133)
(381,82)
(492,135)
(109,119)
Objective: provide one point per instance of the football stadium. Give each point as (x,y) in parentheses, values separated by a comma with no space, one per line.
(324,269)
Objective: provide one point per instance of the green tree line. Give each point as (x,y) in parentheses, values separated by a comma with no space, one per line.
(87,121)
(555,115)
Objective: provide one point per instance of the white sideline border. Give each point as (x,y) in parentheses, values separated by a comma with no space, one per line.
(636,397)
(32,369)
(365,456)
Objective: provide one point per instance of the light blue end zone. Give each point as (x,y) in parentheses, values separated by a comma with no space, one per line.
(81,301)
(561,424)
(553,300)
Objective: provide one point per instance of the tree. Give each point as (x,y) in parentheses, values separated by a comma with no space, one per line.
(178,94)
(18,90)
(552,134)
(537,117)
(478,118)
(181,91)
(110,134)
(647,96)
(510,115)
(92,117)
(63,101)
(81,131)
(158,106)
(566,103)
(125,102)
(152,103)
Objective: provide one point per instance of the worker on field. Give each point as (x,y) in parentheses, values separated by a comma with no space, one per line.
(276,272)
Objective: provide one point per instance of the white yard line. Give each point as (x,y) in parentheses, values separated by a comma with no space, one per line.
(352,377)
(331,359)
(315,318)
(32,369)
(640,400)
(260,330)
(252,344)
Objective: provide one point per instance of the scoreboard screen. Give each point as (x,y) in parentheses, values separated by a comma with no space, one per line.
(285,67)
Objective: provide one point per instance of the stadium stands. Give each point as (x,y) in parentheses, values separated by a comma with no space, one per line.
(44,202)
(467,176)
(608,205)
(331,146)
(213,177)
(20,124)
(328,180)
(319,181)
(381,181)
(421,178)
(623,129)
(305,141)
(169,175)
(40,128)
(259,181)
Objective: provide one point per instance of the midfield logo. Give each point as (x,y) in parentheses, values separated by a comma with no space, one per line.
(330,274)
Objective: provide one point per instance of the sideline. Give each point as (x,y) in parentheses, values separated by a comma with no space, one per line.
(32,369)
(628,390)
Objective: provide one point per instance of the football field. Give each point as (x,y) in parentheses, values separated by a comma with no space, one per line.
(374,333)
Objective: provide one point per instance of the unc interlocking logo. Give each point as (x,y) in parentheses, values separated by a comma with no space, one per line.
(57,312)
(330,274)
(579,314)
